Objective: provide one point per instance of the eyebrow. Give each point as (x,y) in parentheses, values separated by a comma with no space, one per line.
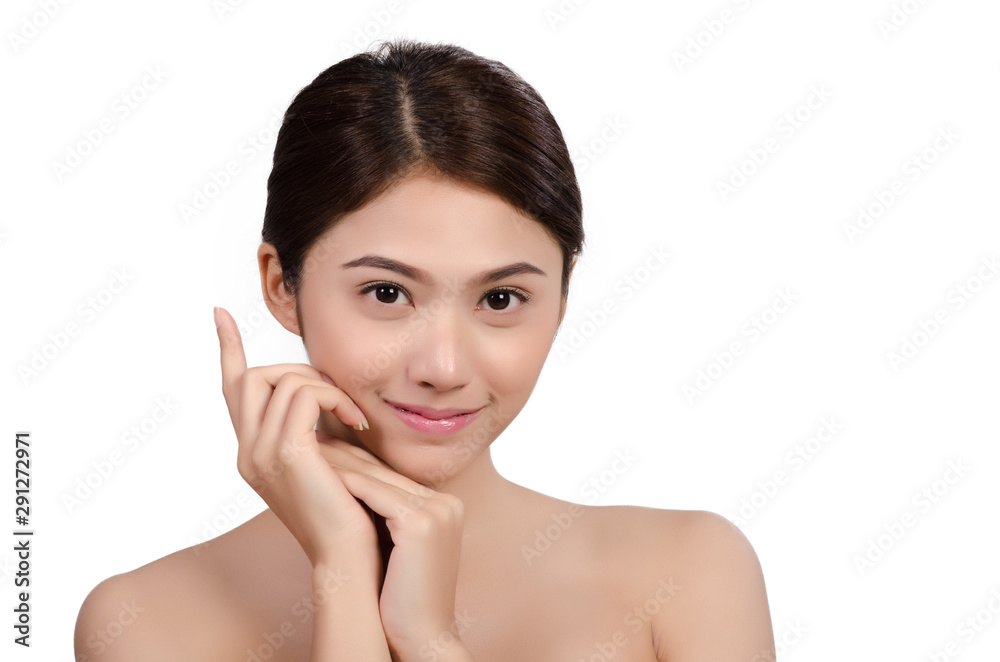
(422,277)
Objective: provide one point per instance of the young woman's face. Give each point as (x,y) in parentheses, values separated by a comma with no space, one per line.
(437,296)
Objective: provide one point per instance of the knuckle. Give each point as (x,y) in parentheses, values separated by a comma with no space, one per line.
(299,444)
(303,395)
(287,452)
(456,506)
(291,449)
(265,465)
(422,522)
(285,379)
(444,509)
(413,503)
(447,509)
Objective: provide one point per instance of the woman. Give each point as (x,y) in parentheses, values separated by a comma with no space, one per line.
(422,222)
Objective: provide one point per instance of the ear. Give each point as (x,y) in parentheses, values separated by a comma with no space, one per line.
(278,300)
(562,304)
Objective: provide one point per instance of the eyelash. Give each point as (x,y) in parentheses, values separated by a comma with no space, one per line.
(520,294)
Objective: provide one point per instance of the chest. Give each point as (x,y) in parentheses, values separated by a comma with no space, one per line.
(569,605)
(505,617)
(510,622)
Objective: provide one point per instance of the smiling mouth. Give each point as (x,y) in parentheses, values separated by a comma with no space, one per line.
(420,419)
(417,413)
(431,414)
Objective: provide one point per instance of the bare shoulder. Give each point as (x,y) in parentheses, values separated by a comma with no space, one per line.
(206,602)
(696,534)
(690,580)
(717,606)
(113,623)
(132,616)
(670,534)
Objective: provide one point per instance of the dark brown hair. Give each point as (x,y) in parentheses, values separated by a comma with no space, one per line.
(371,119)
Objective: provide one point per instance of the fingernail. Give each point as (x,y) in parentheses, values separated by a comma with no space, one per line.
(363,425)
(215,312)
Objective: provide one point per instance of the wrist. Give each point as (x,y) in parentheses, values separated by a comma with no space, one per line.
(356,581)
(347,625)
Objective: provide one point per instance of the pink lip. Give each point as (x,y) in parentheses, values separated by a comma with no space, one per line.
(433,421)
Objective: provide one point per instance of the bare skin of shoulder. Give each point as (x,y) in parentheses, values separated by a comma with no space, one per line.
(547,580)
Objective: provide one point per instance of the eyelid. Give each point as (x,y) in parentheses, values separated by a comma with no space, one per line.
(369,287)
(523,296)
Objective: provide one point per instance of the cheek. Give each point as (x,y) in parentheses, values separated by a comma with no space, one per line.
(338,346)
(515,363)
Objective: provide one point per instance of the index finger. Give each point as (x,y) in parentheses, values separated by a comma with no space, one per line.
(234,362)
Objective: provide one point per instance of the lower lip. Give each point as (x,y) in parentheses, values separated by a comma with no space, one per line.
(431,426)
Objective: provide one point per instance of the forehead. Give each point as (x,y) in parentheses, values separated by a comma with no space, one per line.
(434,223)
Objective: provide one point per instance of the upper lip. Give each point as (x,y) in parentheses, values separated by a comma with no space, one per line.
(433,414)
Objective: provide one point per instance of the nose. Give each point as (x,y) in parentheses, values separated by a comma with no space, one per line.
(440,356)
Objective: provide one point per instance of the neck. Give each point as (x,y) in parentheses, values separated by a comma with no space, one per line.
(485,494)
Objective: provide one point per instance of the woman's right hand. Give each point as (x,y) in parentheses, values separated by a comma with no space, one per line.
(274,410)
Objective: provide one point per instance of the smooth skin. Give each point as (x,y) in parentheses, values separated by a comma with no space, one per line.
(481,568)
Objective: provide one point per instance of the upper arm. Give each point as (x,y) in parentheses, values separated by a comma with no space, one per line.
(720,609)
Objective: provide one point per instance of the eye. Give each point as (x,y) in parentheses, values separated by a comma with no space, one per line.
(385,292)
(503,298)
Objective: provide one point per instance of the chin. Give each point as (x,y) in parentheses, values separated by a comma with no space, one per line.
(430,460)
(434,459)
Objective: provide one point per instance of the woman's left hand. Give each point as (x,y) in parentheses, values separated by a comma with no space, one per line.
(417,602)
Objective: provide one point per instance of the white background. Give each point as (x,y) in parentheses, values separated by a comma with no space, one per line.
(652,138)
